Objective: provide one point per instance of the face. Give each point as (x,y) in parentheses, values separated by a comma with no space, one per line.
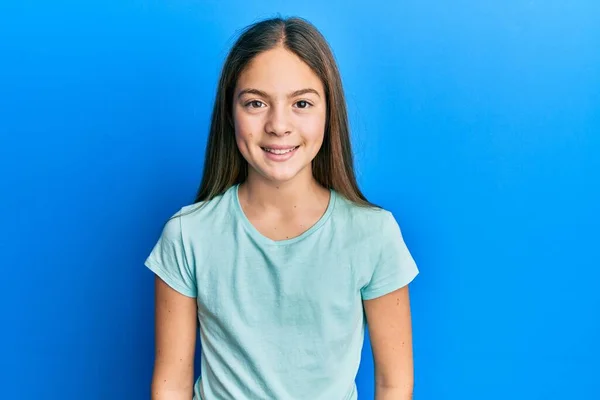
(279,113)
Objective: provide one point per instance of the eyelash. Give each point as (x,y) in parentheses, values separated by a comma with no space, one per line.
(308,104)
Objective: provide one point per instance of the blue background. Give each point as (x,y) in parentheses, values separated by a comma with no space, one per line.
(476,122)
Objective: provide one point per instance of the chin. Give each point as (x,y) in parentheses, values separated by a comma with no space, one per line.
(282,175)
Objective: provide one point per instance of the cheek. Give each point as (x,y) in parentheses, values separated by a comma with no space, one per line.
(244,128)
(315,130)
(243,140)
(243,136)
(243,132)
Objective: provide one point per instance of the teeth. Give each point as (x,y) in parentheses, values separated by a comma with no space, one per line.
(277,151)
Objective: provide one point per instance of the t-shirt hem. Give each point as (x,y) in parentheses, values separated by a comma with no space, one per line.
(390,286)
(169,280)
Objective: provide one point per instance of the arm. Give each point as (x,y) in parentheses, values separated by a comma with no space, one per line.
(175,327)
(390,330)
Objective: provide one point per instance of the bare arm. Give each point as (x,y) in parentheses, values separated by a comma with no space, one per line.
(390,330)
(175,327)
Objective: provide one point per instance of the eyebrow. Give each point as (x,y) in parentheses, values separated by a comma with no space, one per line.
(265,95)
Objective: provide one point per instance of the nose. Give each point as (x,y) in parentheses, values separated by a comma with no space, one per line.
(278,122)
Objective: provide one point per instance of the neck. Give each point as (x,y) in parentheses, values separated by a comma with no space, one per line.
(288,196)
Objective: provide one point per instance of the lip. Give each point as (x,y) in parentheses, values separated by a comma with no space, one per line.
(279,157)
(278,147)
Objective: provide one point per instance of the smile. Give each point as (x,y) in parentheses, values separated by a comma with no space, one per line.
(279,151)
(280,154)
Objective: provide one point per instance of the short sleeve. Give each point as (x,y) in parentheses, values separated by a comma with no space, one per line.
(395,266)
(168,260)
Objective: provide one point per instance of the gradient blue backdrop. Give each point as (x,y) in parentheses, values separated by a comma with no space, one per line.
(476,122)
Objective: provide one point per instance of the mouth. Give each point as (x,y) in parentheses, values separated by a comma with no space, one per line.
(280,151)
(280,154)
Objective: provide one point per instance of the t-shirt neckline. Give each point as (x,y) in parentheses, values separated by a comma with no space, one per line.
(266,240)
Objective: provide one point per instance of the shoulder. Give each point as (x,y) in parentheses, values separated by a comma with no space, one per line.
(374,221)
(195,218)
(381,259)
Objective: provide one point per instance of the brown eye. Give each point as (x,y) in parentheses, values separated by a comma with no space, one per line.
(254,104)
(303,104)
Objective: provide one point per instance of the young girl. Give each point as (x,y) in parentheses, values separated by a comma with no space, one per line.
(280,259)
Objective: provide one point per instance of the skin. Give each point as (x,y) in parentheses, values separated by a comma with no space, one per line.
(175,342)
(390,330)
(278,100)
(285,107)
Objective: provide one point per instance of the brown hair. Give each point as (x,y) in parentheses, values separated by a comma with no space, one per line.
(332,167)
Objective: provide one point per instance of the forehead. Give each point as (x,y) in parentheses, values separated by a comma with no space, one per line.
(278,70)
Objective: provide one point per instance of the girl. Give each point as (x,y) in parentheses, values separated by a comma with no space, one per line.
(280,259)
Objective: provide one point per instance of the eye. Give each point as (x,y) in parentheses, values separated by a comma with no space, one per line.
(254,104)
(303,104)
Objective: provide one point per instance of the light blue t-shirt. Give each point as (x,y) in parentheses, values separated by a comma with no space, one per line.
(284,319)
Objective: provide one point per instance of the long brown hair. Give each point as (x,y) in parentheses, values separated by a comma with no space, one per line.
(333,165)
